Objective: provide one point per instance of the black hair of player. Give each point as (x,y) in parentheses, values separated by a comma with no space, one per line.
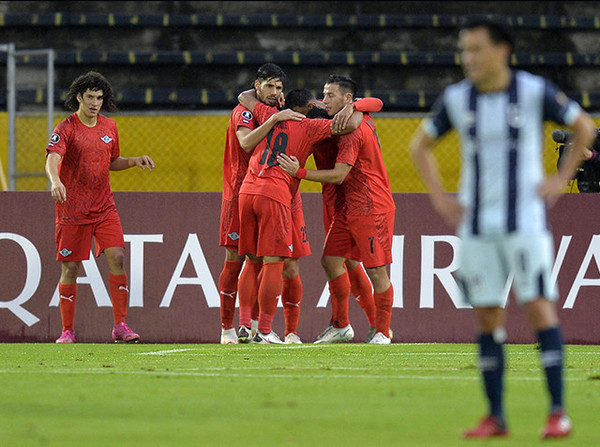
(270,71)
(318,112)
(298,97)
(93,81)
(498,32)
(346,84)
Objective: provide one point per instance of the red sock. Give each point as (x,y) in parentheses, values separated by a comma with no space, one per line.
(340,293)
(255,308)
(248,290)
(334,307)
(291,296)
(119,294)
(268,292)
(384,302)
(68,296)
(363,292)
(227,291)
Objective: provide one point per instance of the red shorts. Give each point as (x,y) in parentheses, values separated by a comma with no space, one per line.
(299,232)
(73,242)
(371,236)
(329,216)
(230,224)
(328,213)
(265,227)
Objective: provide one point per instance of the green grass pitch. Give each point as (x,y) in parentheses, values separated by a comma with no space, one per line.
(257,395)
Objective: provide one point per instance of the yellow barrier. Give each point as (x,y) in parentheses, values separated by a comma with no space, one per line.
(188,151)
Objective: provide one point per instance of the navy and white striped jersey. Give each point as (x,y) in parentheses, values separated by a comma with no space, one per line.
(501,136)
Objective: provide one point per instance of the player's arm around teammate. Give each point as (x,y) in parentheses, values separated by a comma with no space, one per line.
(250,138)
(346,120)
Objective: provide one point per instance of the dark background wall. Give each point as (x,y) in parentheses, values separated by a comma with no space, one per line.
(434,37)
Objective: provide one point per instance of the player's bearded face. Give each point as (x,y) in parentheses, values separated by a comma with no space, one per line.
(269,91)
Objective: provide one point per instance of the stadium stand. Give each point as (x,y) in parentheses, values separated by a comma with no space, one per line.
(226,97)
(178,66)
(254,20)
(405,80)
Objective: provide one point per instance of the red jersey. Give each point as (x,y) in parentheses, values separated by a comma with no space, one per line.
(296,138)
(84,168)
(235,160)
(367,186)
(325,154)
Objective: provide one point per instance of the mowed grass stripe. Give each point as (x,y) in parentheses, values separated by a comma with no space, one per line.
(268,373)
(351,395)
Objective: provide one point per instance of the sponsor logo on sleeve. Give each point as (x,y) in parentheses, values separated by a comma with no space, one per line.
(247,116)
(55,138)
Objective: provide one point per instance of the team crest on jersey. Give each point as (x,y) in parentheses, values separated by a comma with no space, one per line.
(55,138)
(106,139)
(247,115)
(233,236)
(514,115)
(65,252)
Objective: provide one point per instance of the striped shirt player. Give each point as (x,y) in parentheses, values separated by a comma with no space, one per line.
(501,168)
(502,157)
(500,211)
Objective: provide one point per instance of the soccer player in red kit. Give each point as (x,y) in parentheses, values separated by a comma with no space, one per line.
(82,150)
(243,134)
(265,202)
(366,222)
(324,154)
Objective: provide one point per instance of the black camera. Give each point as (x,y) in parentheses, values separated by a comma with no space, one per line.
(588,174)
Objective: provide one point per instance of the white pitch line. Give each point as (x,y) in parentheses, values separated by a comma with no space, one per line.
(257,351)
(169,351)
(358,368)
(277,376)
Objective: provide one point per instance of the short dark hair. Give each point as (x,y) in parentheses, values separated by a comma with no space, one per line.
(318,112)
(268,71)
(497,31)
(345,83)
(93,81)
(298,97)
